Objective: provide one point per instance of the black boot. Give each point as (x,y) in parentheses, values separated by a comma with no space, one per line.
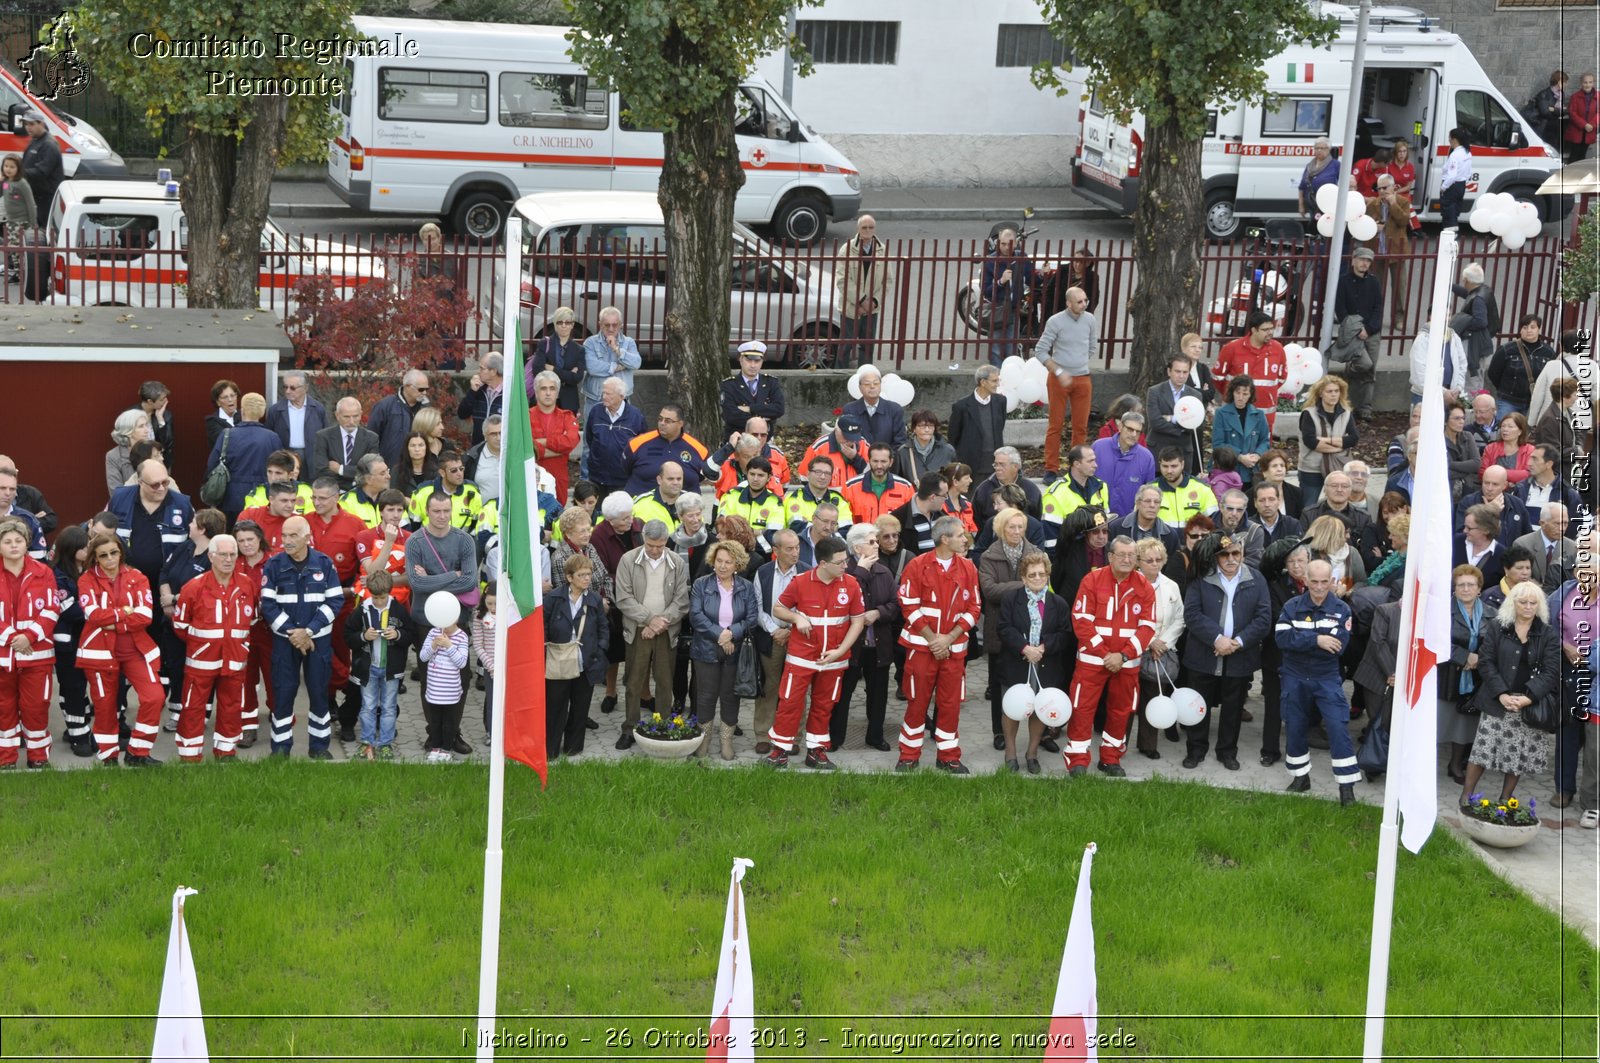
(1347,794)
(1300,784)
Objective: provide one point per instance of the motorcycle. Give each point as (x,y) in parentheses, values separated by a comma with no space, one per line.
(1273,282)
(1039,299)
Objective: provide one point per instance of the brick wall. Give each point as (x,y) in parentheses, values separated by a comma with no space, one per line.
(1518,44)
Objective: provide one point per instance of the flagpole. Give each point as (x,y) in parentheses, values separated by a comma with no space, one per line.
(493,854)
(1416,555)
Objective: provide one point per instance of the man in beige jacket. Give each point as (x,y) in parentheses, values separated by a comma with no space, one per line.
(1392,212)
(861,282)
(653,593)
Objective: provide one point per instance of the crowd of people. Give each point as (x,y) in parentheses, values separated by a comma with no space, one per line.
(687,577)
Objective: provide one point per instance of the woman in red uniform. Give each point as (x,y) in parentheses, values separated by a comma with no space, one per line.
(116,641)
(252,555)
(555,430)
(27,648)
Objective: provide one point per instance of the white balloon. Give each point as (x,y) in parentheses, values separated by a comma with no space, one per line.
(1052,706)
(853,386)
(1532,227)
(1480,220)
(1191,706)
(1161,712)
(1291,349)
(1037,369)
(1355,205)
(1011,370)
(1017,702)
(1327,196)
(1325,224)
(442,609)
(1513,240)
(1012,402)
(1363,227)
(1190,412)
(1029,392)
(904,392)
(1292,383)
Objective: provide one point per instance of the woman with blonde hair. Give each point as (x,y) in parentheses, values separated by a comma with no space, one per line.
(1158,668)
(1519,665)
(1327,434)
(1329,540)
(722,610)
(430,425)
(1034,623)
(1000,573)
(560,352)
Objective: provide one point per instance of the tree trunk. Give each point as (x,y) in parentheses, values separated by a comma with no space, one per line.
(225,195)
(1167,231)
(697,202)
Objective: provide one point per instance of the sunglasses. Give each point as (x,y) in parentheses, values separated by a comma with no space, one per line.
(107,555)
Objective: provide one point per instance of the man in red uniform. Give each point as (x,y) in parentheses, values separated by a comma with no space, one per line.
(1113,617)
(1258,356)
(383,548)
(818,604)
(334,531)
(939,600)
(28,613)
(281,498)
(214,615)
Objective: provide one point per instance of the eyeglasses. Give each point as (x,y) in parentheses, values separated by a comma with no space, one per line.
(107,555)
(157,485)
(668,420)
(421,387)
(294,387)
(1195,537)
(1231,553)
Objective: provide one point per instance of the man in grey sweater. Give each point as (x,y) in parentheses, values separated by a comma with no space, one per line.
(440,558)
(1066,346)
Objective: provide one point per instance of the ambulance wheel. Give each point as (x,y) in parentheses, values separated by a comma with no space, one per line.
(802,219)
(1221,222)
(480,216)
(1527,194)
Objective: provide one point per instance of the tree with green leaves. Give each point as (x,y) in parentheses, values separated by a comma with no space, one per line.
(678,64)
(259,104)
(1580,263)
(1170,60)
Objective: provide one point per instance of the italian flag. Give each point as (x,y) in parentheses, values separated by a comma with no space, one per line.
(1300,72)
(520,601)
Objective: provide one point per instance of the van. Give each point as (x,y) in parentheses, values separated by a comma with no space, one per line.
(458,119)
(590,250)
(1419,82)
(84,152)
(124,243)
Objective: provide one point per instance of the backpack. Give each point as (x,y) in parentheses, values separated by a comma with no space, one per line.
(215,488)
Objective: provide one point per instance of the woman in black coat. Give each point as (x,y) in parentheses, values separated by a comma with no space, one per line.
(1021,648)
(1520,665)
(561,353)
(577,613)
(874,650)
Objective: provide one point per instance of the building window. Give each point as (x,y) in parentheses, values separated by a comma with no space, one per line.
(839,41)
(1296,116)
(1022,45)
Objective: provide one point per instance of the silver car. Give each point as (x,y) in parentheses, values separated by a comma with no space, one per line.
(588,250)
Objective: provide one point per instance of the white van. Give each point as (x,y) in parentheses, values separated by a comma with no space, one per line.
(84,152)
(459,119)
(1419,83)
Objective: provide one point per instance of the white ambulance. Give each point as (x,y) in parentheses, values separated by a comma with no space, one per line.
(1419,83)
(84,152)
(460,119)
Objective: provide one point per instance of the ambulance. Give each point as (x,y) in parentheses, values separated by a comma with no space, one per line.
(125,243)
(461,119)
(1419,83)
(84,152)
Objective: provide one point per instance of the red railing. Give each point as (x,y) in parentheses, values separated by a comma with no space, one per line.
(784,296)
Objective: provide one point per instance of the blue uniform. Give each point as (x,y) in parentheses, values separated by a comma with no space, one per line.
(307,595)
(1312,683)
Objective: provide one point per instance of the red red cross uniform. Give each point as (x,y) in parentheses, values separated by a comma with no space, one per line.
(1107,617)
(27,608)
(1267,366)
(337,538)
(116,641)
(260,665)
(936,599)
(214,620)
(830,607)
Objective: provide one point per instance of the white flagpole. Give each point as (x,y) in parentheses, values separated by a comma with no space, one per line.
(1389,831)
(493,854)
(180,1021)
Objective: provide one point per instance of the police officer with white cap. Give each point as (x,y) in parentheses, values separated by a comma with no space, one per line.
(750,393)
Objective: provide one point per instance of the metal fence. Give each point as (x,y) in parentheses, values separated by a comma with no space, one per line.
(935,312)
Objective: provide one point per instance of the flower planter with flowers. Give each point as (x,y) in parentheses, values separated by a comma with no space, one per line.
(668,737)
(1500,824)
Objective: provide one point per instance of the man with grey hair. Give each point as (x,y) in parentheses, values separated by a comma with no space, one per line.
(297,417)
(392,415)
(978,423)
(652,587)
(1113,617)
(1233,521)
(486,394)
(1477,322)
(1312,632)
(372,479)
(1123,463)
(607,353)
(882,420)
(772,634)
(1007,470)
(940,602)
(607,431)
(340,448)
(1360,474)
(483,460)
(1554,555)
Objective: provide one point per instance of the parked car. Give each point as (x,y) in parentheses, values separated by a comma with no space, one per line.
(588,250)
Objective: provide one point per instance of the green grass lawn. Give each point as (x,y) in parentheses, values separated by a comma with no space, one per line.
(1228,924)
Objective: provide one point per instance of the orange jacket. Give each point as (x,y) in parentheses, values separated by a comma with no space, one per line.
(867,506)
(844,465)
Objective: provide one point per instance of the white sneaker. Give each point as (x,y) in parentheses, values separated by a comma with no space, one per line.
(1590,820)
(171,726)
(438,756)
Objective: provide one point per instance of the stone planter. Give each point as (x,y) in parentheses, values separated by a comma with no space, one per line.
(665,749)
(1498,835)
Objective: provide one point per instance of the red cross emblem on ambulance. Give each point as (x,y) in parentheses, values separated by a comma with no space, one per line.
(758,157)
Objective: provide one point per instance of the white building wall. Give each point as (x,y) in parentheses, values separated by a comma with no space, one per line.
(944,115)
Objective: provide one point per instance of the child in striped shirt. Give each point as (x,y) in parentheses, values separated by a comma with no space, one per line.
(444,654)
(483,649)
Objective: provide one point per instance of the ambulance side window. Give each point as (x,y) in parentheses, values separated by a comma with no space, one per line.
(1482,116)
(406,95)
(115,236)
(560,101)
(1211,122)
(755,115)
(1296,116)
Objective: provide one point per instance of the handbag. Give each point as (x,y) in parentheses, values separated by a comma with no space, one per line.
(471,598)
(1373,756)
(215,488)
(747,671)
(564,660)
(1544,714)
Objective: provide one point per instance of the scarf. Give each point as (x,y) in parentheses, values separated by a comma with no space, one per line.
(1035,615)
(1013,554)
(1467,684)
(684,544)
(1395,560)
